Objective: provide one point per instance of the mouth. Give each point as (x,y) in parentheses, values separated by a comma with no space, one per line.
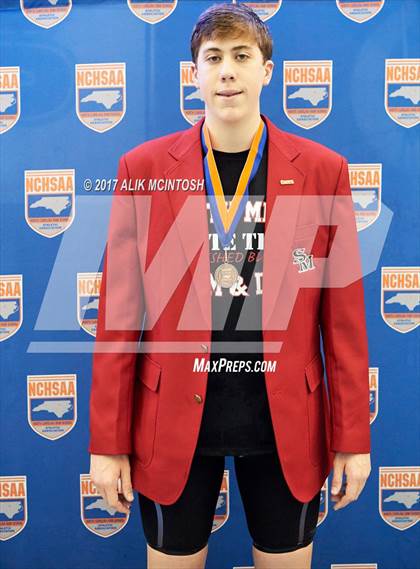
(228,93)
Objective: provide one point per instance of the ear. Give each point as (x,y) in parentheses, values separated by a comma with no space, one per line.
(268,68)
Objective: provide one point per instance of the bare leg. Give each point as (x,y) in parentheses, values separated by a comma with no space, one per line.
(158,560)
(299,559)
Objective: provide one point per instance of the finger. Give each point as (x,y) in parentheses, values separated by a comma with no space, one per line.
(349,496)
(338,497)
(127,489)
(361,486)
(357,489)
(342,503)
(110,493)
(121,498)
(337,477)
(114,502)
(124,502)
(117,499)
(355,484)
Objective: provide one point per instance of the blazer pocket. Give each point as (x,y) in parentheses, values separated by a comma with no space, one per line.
(146,403)
(149,372)
(314,373)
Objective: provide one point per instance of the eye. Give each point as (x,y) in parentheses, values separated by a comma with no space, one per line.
(213,58)
(243,56)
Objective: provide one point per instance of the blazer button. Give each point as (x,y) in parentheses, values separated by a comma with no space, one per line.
(198,398)
(205,348)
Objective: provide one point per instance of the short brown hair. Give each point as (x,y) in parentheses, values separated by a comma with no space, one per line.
(230,20)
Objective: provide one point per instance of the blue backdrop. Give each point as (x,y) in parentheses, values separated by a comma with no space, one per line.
(80,84)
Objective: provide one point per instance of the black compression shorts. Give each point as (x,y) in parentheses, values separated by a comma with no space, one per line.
(277,521)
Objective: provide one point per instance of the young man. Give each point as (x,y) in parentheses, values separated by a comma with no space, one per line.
(161,423)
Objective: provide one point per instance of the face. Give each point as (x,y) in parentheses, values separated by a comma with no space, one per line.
(230,74)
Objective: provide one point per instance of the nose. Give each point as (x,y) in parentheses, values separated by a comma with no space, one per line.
(227,75)
(226,71)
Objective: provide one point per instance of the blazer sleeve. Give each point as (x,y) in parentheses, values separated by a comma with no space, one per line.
(343,328)
(120,317)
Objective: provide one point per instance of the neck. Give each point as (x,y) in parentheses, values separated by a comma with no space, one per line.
(232,137)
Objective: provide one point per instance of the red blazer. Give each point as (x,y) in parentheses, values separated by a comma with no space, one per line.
(146,400)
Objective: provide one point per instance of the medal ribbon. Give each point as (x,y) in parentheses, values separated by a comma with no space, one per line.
(226,220)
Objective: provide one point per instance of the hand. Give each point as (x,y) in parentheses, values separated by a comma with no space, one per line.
(357,469)
(106,472)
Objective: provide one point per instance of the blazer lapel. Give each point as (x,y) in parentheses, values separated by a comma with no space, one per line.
(282,208)
(190,214)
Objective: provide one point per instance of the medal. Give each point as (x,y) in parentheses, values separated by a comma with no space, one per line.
(226,274)
(226,220)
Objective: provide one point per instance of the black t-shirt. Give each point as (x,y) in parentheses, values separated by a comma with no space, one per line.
(236,416)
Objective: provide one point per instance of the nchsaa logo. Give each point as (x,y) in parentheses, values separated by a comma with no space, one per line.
(88,289)
(399,495)
(46,13)
(100,95)
(222,507)
(400,297)
(359,10)
(190,100)
(366,185)
(307,92)
(152,12)
(52,404)
(49,201)
(11,305)
(9,97)
(402,91)
(96,514)
(263,8)
(13,506)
